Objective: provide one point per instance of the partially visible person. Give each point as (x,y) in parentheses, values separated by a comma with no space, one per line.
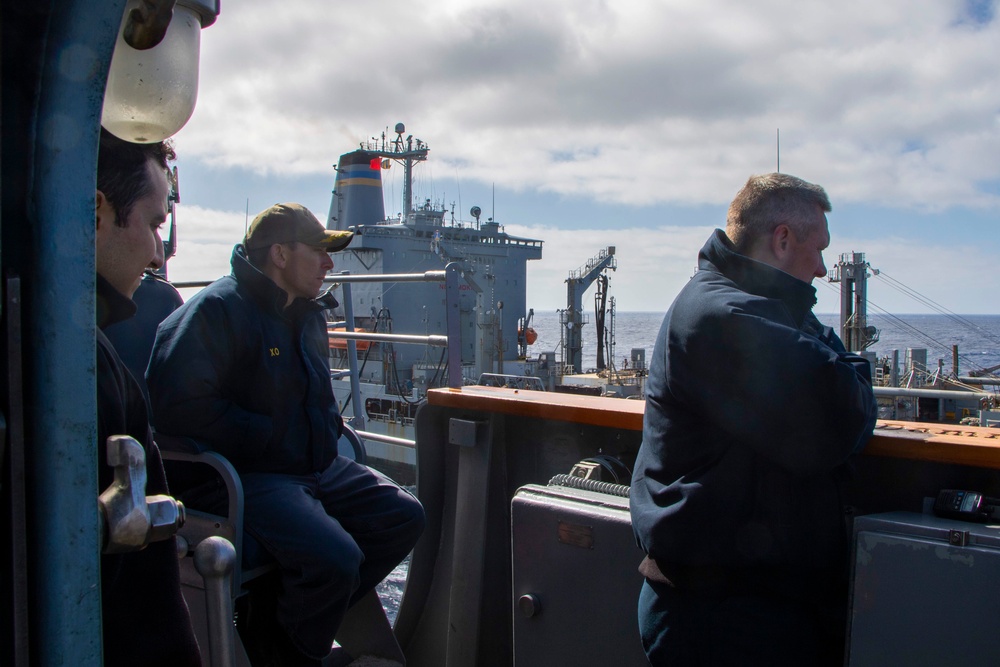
(753,411)
(133,338)
(243,367)
(145,619)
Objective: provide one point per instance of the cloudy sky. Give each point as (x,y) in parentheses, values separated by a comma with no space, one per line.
(589,123)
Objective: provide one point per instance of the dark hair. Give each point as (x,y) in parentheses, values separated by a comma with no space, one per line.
(121,171)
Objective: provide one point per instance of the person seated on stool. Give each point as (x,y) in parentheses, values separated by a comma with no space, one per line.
(243,368)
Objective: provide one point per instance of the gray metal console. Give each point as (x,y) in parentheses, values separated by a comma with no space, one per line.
(924,591)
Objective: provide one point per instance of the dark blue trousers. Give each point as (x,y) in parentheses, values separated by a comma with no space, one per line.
(335,535)
(736,629)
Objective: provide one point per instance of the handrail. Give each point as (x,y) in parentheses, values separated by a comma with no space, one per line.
(388,439)
(931,392)
(433,340)
(188,284)
(425,277)
(976,446)
(452,317)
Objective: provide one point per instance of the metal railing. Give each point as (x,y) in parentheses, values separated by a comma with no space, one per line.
(450,277)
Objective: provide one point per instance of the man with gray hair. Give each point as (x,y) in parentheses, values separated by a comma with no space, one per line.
(753,409)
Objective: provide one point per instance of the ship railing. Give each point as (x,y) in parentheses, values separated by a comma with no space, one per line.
(346,330)
(388,439)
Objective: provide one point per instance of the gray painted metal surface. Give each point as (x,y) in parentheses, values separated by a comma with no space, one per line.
(576,585)
(918,597)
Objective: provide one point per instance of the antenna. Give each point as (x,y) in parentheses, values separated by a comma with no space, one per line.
(778,146)
(246,219)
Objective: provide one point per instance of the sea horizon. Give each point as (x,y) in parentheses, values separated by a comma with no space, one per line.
(977,336)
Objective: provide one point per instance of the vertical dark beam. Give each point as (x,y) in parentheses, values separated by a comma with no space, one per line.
(59,306)
(358,421)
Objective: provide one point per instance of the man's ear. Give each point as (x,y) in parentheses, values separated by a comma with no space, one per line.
(780,241)
(105,214)
(100,202)
(278,255)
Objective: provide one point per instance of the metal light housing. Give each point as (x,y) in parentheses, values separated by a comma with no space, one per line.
(152,90)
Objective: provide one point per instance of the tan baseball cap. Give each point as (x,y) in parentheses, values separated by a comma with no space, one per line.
(287,223)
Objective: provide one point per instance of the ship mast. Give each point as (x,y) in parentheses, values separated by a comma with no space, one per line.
(852,274)
(407,151)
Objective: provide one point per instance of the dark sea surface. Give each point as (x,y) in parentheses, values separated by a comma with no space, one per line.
(977,336)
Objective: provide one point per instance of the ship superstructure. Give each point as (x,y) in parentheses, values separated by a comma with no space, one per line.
(424,237)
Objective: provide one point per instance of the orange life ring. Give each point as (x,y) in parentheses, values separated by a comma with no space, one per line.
(341,343)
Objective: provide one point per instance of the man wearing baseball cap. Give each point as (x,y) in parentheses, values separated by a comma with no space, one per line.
(243,368)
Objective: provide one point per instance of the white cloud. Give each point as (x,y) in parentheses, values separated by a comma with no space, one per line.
(205,240)
(893,104)
(945,277)
(653,264)
(640,102)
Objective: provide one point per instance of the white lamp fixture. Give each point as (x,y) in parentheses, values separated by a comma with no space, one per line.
(152,89)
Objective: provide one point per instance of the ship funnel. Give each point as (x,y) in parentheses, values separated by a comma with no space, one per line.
(357,192)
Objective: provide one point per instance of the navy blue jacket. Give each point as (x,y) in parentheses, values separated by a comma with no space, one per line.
(247,377)
(752,410)
(133,338)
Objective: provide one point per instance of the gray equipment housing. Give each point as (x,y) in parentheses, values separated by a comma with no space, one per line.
(924,591)
(563,613)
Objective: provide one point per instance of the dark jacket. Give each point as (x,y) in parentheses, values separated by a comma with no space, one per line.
(145,619)
(752,410)
(133,338)
(249,378)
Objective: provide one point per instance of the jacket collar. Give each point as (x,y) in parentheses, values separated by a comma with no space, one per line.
(271,297)
(112,305)
(756,277)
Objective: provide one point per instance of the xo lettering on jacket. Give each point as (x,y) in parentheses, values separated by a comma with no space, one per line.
(275,352)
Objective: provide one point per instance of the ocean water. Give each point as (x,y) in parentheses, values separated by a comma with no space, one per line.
(977,337)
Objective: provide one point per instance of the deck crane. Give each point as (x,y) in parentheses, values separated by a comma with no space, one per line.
(571,319)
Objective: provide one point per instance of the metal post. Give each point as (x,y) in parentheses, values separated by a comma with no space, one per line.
(214,559)
(62,466)
(352,357)
(475,442)
(454,323)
